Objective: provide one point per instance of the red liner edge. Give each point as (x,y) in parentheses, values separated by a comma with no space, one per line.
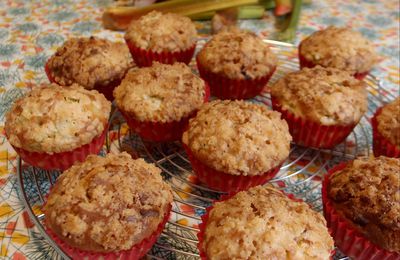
(304,63)
(312,134)
(348,239)
(136,252)
(161,132)
(226,88)
(206,215)
(145,58)
(63,160)
(226,182)
(381,145)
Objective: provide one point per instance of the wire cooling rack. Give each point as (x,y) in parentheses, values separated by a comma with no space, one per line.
(301,173)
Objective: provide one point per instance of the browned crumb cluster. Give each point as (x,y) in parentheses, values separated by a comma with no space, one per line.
(237,55)
(107,203)
(52,119)
(367,192)
(90,62)
(263,223)
(389,122)
(328,96)
(160,93)
(160,32)
(238,137)
(340,48)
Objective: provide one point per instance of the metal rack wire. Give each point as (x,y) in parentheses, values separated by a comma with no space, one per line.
(300,174)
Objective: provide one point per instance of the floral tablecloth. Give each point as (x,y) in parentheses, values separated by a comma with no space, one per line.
(31,30)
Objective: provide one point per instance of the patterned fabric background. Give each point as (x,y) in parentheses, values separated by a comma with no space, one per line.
(31,30)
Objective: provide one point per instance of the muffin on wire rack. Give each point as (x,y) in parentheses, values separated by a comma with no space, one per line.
(236,64)
(158,101)
(51,127)
(166,38)
(340,48)
(93,63)
(386,130)
(362,207)
(234,145)
(109,207)
(263,223)
(321,105)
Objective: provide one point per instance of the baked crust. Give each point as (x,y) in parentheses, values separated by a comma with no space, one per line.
(238,137)
(160,93)
(237,55)
(340,48)
(90,62)
(328,96)
(160,32)
(53,119)
(389,122)
(107,203)
(366,192)
(263,223)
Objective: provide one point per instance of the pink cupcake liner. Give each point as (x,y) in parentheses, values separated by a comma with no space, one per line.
(226,88)
(304,63)
(347,238)
(161,132)
(145,58)
(63,160)
(312,134)
(226,182)
(135,253)
(381,145)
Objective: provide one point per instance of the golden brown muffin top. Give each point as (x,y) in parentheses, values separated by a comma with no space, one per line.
(107,203)
(263,223)
(53,119)
(90,62)
(238,137)
(160,93)
(367,192)
(160,32)
(389,122)
(340,48)
(238,55)
(325,95)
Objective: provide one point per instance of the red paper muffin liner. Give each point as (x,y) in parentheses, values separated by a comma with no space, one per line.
(312,134)
(136,252)
(226,88)
(381,145)
(161,132)
(63,160)
(106,90)
(206,216)
(304,63)
(145,58)
(227,182)
(347,238)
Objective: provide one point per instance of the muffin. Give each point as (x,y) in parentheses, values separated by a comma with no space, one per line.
(386,130)
(321,105)
(158,101)
(340,48)
(263,223)
(93,63)
(166,38)
(234,145)
(362,205)
(110,206)
(51,127)
(236,64)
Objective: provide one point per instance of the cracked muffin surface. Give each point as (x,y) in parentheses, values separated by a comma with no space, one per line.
(107,203)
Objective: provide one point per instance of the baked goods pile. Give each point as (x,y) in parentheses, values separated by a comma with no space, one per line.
(116,207)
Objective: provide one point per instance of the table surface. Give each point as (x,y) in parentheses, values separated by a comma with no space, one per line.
(31,31)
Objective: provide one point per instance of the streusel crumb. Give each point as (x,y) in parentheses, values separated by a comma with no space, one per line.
(389,122)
